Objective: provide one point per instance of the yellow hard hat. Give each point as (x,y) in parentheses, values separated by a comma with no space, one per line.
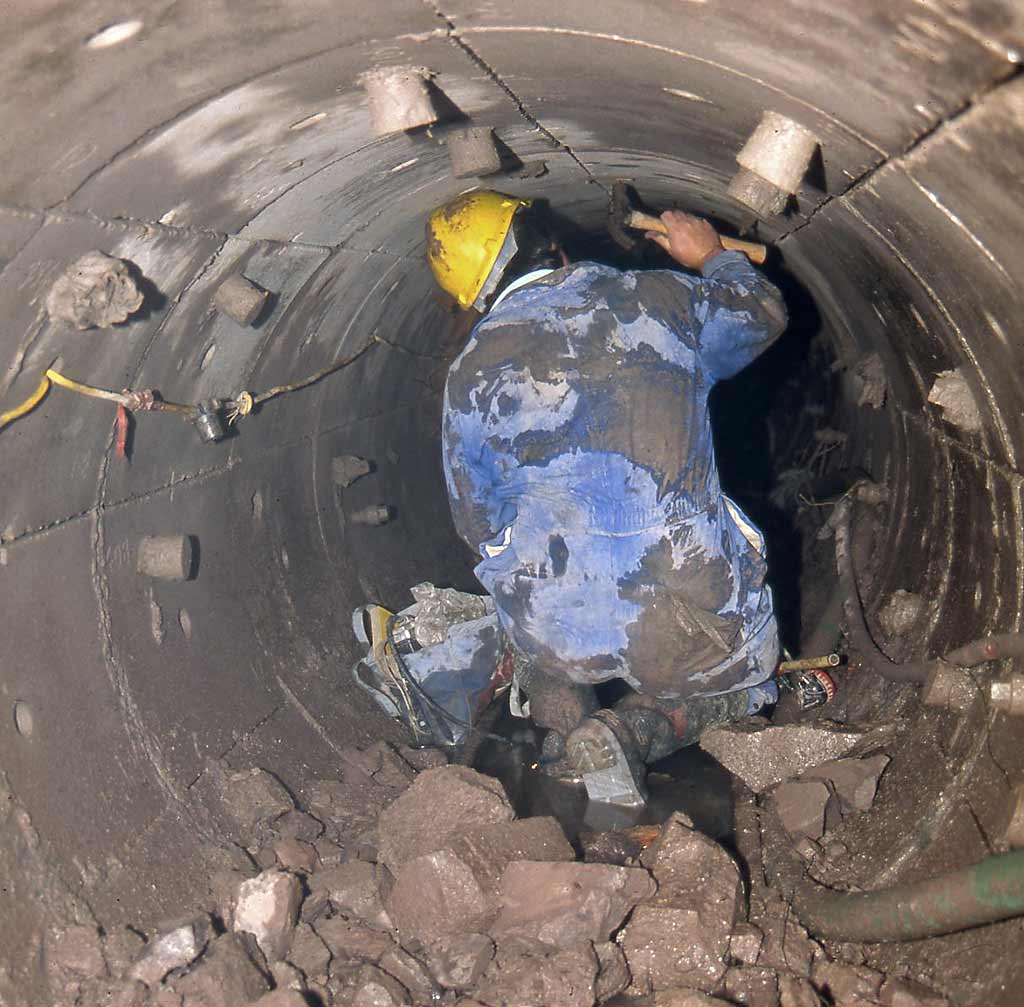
(469,239)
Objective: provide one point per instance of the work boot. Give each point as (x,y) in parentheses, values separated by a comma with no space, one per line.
(604,752)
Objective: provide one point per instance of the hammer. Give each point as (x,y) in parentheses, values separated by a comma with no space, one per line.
(622,214)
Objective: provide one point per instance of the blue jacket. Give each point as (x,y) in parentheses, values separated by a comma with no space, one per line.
(579,462)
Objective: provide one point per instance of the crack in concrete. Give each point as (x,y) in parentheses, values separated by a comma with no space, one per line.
(457,39)
(172,230)
(920,140)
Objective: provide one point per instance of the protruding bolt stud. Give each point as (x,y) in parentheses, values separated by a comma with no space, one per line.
(473,152)
(375,514)
(949,688)
(167,557)
(1012,834)
(1007,695)
(346,469)
(240,299)
(399,99)
(772,164)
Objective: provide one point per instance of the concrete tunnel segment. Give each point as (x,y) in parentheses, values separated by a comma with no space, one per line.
(214,138)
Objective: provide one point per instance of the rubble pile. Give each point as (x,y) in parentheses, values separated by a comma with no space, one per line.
(410,882)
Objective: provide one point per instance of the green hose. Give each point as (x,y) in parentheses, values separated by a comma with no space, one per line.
(987,892)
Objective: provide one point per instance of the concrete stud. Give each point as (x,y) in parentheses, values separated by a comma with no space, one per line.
(772,164)
(346,469)
(1007,695)
(949,688)
(1012,834)
(167,557)
(240,299)
(399,99)
(375,514)
(473,152)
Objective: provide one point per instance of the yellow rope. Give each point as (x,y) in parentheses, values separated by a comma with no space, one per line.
(242,404)
(28,405)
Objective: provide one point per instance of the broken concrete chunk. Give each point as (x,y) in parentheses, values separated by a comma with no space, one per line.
(458,962)
(96,291)
(346,469)
(854,780)
(564,977)
(488,850)
(414,825)
(281,998)
(349,940)
(868,381)
(252,798)
(295,824)
(354,889)
(348,807)
(908,993)
(375,988)
(437,895)
(225,976)
(268,908)
(686,998)
(79,950)
(844,983)
(566,903)
(177,947)
(412,974)
(113,993)
(752,987)
(122,947)
(688,865)
(613,975)
(745,943)
(786,945)
(900,613)
(295,855)
(379,762)
(668,945)
(763,755)
(796,992)
(800,805)
(423,758)
(953,395)
(308,953)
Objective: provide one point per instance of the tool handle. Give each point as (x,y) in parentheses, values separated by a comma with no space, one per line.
(753,251)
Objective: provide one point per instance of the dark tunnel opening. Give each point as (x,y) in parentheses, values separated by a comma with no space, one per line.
(196,144)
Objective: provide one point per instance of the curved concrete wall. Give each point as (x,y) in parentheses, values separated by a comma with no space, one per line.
(225,137)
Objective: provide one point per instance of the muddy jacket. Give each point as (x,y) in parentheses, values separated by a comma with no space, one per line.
(579,461)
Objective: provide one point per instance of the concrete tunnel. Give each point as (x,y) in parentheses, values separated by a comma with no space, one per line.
(201,139)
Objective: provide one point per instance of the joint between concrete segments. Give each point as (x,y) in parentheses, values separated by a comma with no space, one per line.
(125,223)
(453,36)
(919,141)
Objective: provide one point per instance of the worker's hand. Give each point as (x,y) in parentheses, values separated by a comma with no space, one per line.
(691,240)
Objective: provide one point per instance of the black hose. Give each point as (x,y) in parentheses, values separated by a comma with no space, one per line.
(988,648)
(870,656)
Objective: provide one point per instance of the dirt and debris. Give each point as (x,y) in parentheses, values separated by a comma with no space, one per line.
(441,895)
(95,291)
(762,755)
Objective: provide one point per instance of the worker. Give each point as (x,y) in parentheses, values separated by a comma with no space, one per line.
(580,468)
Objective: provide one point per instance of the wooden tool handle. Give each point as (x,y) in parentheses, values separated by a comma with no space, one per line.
(753,251)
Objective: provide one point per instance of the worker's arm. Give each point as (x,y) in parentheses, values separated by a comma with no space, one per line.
(739,313)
